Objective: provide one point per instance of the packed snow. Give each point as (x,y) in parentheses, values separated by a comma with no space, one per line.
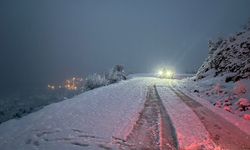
(184,120)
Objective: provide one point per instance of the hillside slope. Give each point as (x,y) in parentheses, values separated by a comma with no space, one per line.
(224,77)
(228,57)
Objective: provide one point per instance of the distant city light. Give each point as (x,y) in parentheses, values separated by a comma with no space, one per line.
(72,84)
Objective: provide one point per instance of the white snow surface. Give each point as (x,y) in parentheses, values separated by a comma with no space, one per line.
(103,117)
(184,119)
(91,120)
(220,96)
(228,57)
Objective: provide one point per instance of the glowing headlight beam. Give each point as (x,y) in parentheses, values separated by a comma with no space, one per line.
(166,73)
(160,72)
(169,73)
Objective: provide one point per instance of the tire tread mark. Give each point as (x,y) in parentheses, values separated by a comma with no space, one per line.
(222,132)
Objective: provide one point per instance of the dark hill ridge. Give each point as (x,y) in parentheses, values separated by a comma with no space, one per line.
(228,57)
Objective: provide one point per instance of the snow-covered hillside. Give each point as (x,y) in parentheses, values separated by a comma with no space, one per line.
(228,57)
(224,77)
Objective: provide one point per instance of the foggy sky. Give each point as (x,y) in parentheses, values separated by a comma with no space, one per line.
(48,40)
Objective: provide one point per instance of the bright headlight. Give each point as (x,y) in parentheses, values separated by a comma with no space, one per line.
(160,72)
(169,73)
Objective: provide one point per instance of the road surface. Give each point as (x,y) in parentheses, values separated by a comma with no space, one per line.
(143,113)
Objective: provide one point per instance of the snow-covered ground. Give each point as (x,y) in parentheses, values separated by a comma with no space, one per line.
(225,129)
(110,117)
(232,97)
(184,119)
(92,120)
(224,77)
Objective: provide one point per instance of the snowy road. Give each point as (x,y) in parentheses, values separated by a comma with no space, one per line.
(140,113)
(223,133)
(153,130)
(214,130)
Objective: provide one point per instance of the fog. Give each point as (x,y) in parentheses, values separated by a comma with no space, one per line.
(48,40)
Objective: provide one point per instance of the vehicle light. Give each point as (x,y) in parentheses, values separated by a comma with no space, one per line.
(169,73)
(160,72)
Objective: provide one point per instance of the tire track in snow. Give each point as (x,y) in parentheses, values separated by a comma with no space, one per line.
(222,132)
(191,133)
(168,135)
(153,130)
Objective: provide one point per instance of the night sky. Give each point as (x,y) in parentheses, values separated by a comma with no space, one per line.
(49,40)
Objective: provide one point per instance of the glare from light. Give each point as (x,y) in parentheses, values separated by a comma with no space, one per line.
(160,72)
(169,73)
